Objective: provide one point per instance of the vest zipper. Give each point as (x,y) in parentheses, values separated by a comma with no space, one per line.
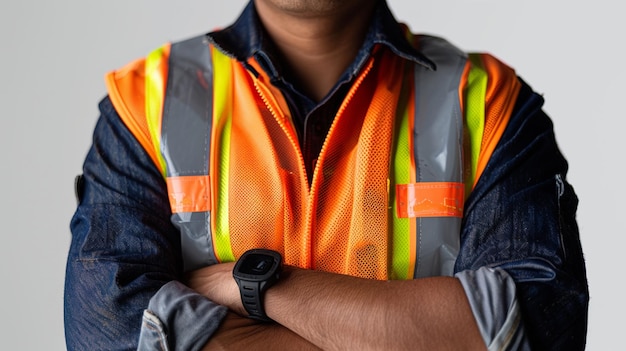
(286,130)
(302,169)
(342,108)
(310,209)
(312,189)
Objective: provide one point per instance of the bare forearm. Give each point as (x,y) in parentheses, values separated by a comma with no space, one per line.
(341,312)
(241,333)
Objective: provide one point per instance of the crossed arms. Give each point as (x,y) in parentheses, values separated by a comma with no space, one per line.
(124,250)
(337,312)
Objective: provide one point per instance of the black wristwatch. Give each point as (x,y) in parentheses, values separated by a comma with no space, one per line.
(255,271)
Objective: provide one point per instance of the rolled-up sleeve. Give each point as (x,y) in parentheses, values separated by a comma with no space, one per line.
(178,318)
(493,300)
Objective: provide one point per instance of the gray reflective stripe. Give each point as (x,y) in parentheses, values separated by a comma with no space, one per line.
(438,150)
(187,111)
(186,138)
(195,239)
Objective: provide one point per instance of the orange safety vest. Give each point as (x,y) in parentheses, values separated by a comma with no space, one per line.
(386,197)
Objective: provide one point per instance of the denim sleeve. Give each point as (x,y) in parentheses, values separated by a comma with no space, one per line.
(520,223)
(178,318)
(124,251)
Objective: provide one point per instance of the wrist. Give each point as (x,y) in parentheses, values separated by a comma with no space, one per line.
(255,272)
(217,284)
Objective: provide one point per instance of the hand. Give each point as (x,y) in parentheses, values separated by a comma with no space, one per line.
(216,282)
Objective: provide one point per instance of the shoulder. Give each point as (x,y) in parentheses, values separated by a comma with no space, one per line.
(132,86)
(489,92)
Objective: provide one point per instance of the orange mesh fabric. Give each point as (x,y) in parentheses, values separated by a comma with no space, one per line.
(351,232)
(341,224)
(267,182)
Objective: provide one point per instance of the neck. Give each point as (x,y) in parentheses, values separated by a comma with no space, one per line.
(318,40)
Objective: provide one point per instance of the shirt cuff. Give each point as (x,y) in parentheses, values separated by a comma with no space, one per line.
(178,318)
(492,296)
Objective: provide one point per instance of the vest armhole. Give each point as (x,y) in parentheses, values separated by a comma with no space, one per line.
(503,88)
(127,90)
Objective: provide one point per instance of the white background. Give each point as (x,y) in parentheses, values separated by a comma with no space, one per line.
(55,53)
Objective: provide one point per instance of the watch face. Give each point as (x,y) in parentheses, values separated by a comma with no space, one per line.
(257,264)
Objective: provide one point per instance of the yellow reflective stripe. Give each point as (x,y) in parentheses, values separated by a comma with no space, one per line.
(155,92)
(222,119)
(402,172)
(475,112)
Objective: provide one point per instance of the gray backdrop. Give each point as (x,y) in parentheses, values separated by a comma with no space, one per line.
(55,54)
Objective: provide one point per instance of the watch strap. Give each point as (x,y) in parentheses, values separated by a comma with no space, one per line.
(251,298)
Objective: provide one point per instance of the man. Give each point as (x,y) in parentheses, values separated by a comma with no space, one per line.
(415,194)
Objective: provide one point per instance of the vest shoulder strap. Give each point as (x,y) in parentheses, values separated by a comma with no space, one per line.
(188,109)
(183,72)
(438,118)
(488,91)
(437,131)
(186,136)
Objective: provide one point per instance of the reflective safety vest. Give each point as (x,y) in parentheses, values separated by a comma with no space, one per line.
(386,196)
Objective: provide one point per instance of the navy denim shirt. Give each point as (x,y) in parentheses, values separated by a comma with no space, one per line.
(520,249)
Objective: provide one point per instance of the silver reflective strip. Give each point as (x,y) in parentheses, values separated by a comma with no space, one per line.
(438,150)
(187,120)
(187,111)
(195,239)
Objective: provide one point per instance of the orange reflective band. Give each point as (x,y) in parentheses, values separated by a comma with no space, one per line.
(430,199)
(189,193)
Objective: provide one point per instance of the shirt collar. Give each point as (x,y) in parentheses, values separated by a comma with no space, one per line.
(245,38)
